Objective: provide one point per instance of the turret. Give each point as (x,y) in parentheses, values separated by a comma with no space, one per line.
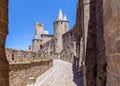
(60,27)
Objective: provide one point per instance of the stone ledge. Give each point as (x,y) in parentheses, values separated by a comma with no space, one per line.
(20,73)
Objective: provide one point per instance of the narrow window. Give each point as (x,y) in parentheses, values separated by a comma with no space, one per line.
(12,57)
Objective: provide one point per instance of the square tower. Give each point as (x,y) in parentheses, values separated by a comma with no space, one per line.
(39,29)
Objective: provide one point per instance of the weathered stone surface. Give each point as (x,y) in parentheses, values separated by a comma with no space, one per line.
(61,74)
(91,57)
(101,39)
(95,61)
(14,55)
(60,27)
(69,45)
(112,41)
(4,66)
(20,72)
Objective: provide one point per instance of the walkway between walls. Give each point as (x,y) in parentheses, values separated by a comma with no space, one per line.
(61,74)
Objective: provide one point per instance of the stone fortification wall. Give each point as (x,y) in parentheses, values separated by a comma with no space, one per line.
(68,39)
(20,73)
(95,61)
(112,40)
(46,37)
(21,55)
(101,41)
(4,76)
(86,11)
(49,48)
(37,44)
(69,47)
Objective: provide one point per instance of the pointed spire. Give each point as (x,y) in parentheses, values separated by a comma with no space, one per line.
(60,15)
(65,18)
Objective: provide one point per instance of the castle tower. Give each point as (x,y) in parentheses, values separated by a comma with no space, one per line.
(60,27)
(37,41)
(39,28)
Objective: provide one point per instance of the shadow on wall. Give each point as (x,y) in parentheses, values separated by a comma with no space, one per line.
(77,76)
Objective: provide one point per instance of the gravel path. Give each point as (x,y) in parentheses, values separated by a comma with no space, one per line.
(60,74)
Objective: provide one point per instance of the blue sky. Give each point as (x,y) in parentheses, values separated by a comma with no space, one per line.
(24,13)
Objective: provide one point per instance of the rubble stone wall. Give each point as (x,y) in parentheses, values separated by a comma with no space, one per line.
(19,73)
(69,47)
(21,55)
(112,40)
(4,66)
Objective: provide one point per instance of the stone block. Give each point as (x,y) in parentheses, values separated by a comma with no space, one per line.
(31,80)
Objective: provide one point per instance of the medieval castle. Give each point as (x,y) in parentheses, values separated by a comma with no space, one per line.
(53,43)
(94,40)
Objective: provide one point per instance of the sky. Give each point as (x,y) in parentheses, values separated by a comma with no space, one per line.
(24,13)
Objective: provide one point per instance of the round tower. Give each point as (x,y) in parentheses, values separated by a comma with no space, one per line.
(60,27)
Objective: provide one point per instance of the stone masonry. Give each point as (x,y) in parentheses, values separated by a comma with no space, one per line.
(96,31)
(14,55)
(41,37)
(4,66)
(111,16)
(102,43)
(69,45)
(60,27)
(91,57)
(20,73)
(46,43)
(95,61)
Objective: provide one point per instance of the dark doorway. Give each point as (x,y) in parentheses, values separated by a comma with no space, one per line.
(41,47)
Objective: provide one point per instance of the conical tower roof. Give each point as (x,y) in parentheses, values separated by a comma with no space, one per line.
(60,16)
(65,18)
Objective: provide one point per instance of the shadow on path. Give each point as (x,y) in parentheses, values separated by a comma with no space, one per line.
(77,76)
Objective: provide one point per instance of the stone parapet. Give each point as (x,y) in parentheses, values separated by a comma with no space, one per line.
(19,73)
(14,55)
